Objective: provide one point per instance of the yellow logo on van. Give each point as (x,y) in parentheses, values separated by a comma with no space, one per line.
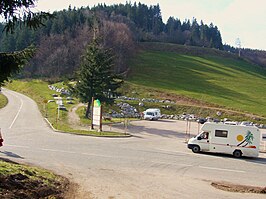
(240,138)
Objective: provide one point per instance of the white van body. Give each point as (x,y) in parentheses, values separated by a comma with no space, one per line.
(152,114)
(237,140)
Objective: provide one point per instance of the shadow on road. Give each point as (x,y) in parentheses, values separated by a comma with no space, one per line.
(255,160)
(11,154)
(158,132)
(247,159)
(139,130)
(166,121)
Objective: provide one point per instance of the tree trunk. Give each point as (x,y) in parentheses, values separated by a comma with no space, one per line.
(88,110)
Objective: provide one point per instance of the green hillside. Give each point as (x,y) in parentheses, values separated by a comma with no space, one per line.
(227,82)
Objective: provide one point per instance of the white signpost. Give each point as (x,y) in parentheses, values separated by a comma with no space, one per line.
(97,114)
(59,102)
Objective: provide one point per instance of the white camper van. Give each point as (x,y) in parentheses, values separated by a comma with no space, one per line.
(230,139)
(152,114)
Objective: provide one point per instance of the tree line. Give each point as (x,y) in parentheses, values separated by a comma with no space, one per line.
(149,26)
(145,23)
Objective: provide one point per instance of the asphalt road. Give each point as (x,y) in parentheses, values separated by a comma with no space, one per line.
(154,163)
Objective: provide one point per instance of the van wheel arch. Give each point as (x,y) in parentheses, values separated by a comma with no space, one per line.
(195,149)
(237,153)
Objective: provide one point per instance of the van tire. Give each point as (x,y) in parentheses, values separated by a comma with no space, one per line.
(196,149)
(237,154)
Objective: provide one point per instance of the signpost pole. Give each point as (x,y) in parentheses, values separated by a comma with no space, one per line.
(92,106)
(58,111)
(101,118)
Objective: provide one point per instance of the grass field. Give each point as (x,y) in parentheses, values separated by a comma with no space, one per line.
(227,82)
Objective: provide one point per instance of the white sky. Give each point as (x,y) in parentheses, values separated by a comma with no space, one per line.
(244,19)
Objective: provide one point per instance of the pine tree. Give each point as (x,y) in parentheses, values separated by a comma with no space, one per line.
(18,13)
(95,77)
(16,60)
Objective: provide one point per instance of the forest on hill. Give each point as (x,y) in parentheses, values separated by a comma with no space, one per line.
(62,39)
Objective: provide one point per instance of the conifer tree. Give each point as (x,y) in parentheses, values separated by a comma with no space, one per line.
(95,77)
(11,63)
(17,13)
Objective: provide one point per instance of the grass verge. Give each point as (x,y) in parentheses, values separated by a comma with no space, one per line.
(21,181)
(3,101)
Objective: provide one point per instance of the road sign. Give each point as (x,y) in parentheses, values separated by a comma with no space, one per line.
(97,113)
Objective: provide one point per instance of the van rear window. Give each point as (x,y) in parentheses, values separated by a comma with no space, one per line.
(221,133)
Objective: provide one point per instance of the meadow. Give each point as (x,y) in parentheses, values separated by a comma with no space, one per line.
(224,82)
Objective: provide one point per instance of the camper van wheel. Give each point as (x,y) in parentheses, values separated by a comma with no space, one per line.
(196,149)
(237,153)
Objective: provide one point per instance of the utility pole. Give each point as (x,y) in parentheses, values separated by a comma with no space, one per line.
(238,45)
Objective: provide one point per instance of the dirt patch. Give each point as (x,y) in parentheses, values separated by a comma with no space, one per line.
(238,188)
(20,186)
(26,182)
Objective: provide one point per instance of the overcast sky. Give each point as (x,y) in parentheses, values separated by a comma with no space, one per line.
(244,19)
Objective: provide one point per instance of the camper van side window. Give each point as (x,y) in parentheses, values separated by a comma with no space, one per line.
(221,133)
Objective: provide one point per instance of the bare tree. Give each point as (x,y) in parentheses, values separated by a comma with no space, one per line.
(118,36)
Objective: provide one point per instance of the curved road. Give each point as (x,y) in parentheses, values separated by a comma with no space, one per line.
(154,163)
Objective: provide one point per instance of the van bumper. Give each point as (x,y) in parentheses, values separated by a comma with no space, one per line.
(190,146)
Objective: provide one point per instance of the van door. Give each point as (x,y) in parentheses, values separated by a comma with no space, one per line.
(204,142)
(220,142)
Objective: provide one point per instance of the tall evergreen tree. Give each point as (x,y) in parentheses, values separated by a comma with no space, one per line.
(96,77)
(195,33)
(14,13)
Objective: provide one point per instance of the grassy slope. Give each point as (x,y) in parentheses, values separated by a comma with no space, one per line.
(3,101)
(21,181)
(228,82)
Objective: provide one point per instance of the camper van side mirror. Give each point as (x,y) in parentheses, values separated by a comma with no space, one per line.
(198,138)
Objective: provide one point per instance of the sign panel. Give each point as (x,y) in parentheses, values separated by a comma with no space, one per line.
(59,100)
(96,113)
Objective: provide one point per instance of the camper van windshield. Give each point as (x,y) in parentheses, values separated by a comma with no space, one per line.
(204,135)
(149,113)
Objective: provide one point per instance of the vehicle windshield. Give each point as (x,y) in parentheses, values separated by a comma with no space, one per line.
(204,135)
(150,113)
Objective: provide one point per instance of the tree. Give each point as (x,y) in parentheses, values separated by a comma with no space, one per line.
(195,33)
(18,12)
(16,60)
(95,77)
